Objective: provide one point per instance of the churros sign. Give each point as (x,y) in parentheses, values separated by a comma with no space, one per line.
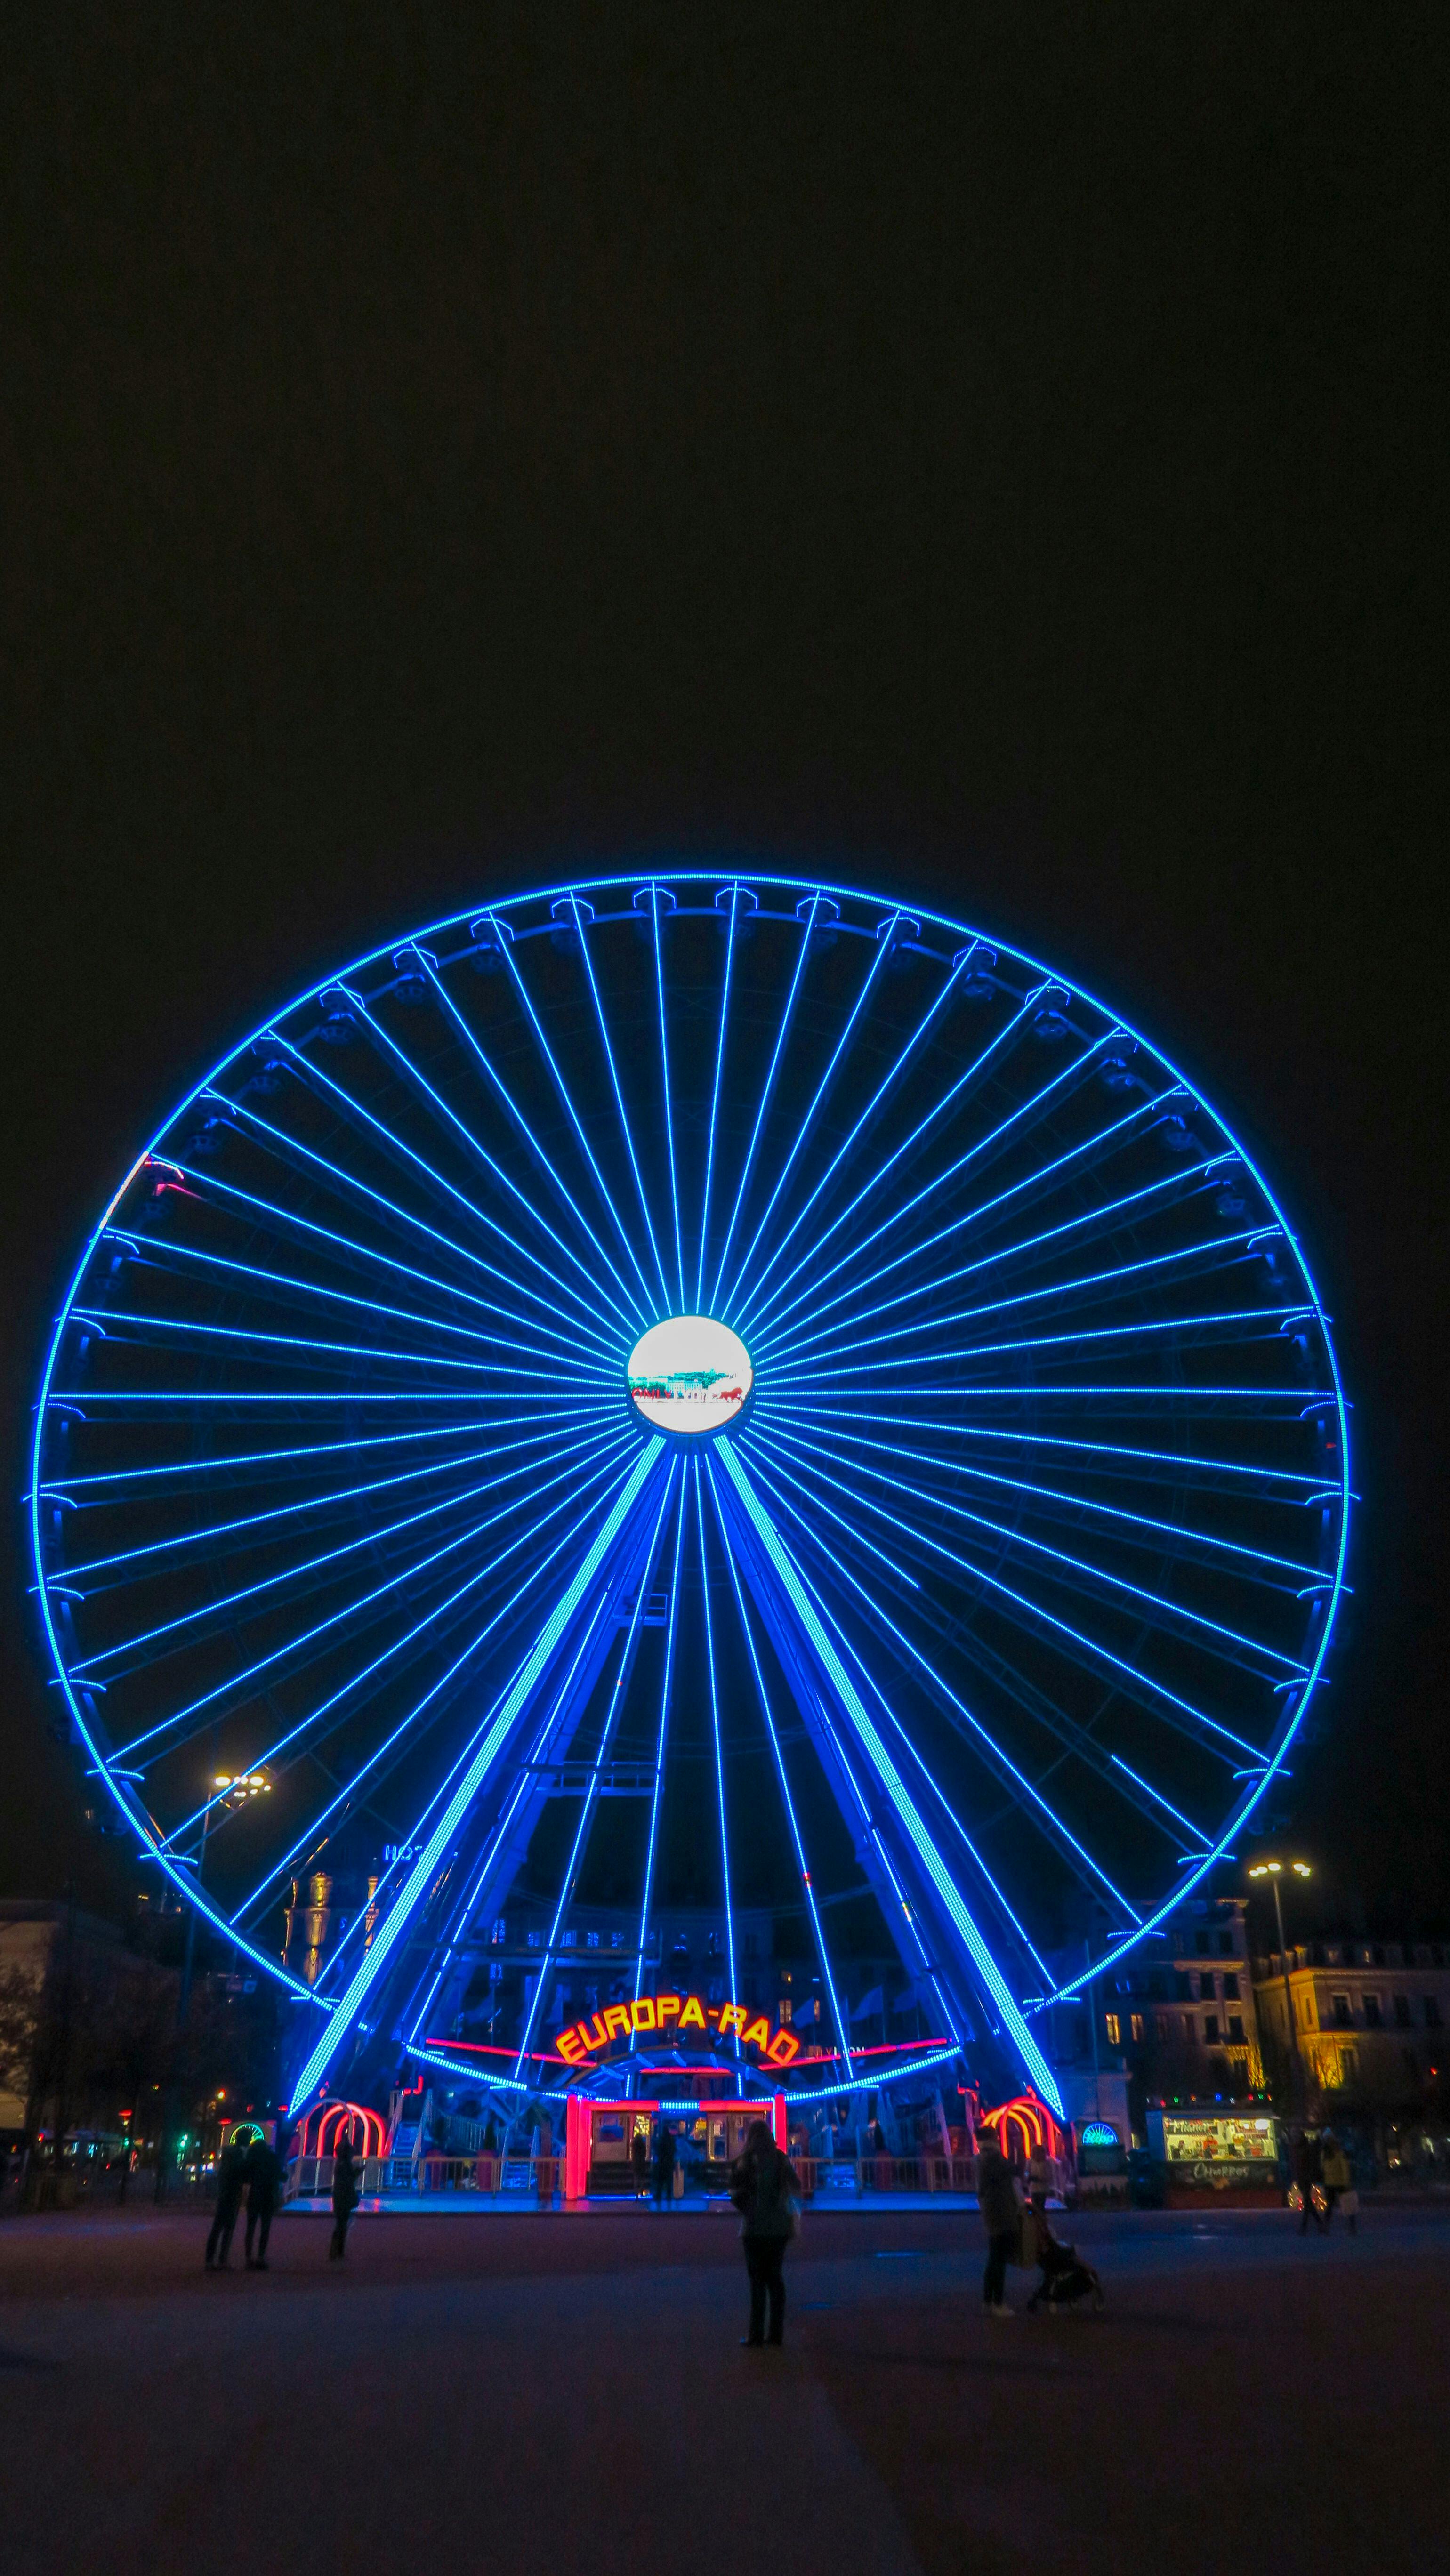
(670,2017)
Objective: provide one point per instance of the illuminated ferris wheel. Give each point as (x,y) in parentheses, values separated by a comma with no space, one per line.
(720,1390)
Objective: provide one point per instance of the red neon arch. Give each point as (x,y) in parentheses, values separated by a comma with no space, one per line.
(1025,2121)
(337,2116)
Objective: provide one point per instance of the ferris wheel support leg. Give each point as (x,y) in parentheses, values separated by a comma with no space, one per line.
(928,1872)
(500,1725)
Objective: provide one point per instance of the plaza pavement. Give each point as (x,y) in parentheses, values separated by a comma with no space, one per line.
(546,2390)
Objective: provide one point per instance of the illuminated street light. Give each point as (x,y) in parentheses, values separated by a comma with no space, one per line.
(1273,1871)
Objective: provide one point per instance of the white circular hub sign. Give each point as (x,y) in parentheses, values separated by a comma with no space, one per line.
(689,1374)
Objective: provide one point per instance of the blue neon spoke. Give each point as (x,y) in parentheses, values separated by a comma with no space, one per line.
(102,1316)
(891,1781)
(471,1041)
(767,1094)
(587,1804)
(571,1475)
(625,1128)
(428,1622)
(355,1251)
(1055,1824)
(1129,1330)
(841,2023)
(1008,1252)
(1061,1556)
(669,1108)
(878,961)
(193,1467)
(474,1145)
(312,1073)
(1035,1610)
(197,1537)
(940,1180)
(1201,1839)
(930,1189)
(573,1116)
(285,1147)
(502,1721)
(714,1110)
(796,1344)
(874,1103)
(169,1247)
(1091,1448)
(719,1753)
(665,1695)
(1076,1502)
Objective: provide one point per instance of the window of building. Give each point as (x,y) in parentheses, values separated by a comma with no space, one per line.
(591,1940)
(786,2009)
(616,1940)
(1114,2029)
(1306,2008)
(1432,2012)
(1343,2018)
(500,1930)
(1190,2029)
(568,1940)
(1135,2025)
(1236,2029)
(1230,1987)
(1402,2012)
(1378,1954)
(1225,1945)
(1160,2026)
(1210,2030)
(1349,2066)
(533,1939)
(1200,1943)
(1205,1987)
(1371,2012)
(1183,1986)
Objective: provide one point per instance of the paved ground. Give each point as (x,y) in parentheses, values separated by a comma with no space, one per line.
(551,2391)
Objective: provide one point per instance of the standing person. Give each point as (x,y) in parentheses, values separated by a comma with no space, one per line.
(1039,2179)
(1002,2218)
(639,2163)
(664,2166)
(345,2194)
(765,2189)
(230,2175)
(1334,2164)
(1309,2175)
(263,2173)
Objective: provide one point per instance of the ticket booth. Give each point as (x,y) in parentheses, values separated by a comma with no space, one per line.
(598,2137)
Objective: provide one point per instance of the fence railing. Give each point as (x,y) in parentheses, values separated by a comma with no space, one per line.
(526,2177)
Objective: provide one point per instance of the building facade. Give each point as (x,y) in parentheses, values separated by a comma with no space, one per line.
(1371,2019)
(1176,2018)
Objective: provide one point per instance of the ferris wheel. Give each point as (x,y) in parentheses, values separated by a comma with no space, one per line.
(722,1383)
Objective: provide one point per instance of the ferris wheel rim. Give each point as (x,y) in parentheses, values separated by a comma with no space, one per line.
(107,1759)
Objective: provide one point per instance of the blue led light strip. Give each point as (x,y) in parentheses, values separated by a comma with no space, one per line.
(892,1782)
(420,1878)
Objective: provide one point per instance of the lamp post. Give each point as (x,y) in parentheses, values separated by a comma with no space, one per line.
(1273,1871)
(231,1789)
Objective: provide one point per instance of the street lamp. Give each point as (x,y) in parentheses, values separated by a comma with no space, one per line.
(1274,1871)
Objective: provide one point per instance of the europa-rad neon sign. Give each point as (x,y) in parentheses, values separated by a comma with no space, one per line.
(673,2015)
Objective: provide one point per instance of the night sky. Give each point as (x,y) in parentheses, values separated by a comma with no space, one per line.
(993,456)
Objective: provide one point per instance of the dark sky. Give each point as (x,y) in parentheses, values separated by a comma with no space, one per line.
(993,455)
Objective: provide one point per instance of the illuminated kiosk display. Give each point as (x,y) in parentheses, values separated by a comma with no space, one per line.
(713,1433)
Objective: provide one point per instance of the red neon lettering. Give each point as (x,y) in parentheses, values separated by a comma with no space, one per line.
(732,2018)
(692,2017)
(783,2048)
(758,2034)
(642,2013)
(617,2019)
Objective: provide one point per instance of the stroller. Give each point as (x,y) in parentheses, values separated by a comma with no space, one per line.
(1067,2282)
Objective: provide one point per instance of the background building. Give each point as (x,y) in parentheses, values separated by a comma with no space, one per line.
(1370,2019)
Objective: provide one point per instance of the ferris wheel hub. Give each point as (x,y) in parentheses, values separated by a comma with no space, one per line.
(689,1376)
